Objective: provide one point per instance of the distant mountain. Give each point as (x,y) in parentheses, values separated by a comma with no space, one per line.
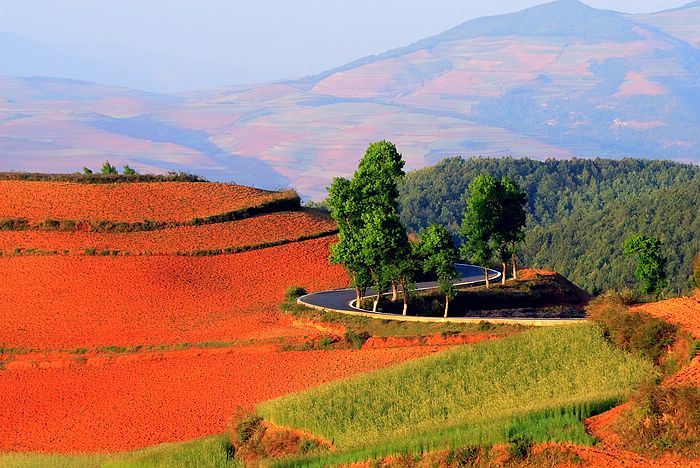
(556,80)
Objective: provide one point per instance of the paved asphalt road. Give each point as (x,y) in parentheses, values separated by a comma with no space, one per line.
(339,299)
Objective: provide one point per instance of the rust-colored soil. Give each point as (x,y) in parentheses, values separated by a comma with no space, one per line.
(164,201)
(287,225)
(683,311)
(126,405)
(69,302)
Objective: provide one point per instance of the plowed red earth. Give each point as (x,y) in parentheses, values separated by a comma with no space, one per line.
(683,311)
(135,404)
(164,201)
(288,225)
(59,302)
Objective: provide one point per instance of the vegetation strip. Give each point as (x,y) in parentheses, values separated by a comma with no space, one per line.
(547,379)
(191,253)
(290,202)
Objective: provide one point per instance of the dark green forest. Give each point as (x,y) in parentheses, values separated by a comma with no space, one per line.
(579,212)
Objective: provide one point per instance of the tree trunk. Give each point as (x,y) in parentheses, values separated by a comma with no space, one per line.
(405,296)
(405,308)
(515,270)
(486,277)
(358,297)
(376,300)
(394,292)
(447,304)
(503,276)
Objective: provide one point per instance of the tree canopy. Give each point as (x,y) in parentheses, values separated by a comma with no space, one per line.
(650,270)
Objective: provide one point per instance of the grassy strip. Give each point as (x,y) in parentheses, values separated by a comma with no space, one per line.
(554,425)
(394,328)
(539,370)
(80,178)
(288,201)
(213,451)
(114,349)
(192,253)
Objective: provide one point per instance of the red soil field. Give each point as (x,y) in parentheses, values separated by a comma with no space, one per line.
(164,201)
(135,404)
(683,311)
(67,302)
(287,225)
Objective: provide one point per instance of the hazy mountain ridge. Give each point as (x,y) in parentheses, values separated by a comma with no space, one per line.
(559,79)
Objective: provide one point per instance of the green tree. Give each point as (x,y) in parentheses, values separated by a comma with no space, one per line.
(510,225)
(372,240)
(696,271)
(479,221)
(438,255)
(108,169)
(129,171)
(651,266)
(346,209)
(87,171)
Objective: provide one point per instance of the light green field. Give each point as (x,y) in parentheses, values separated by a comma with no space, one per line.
(207,451)
(540,383)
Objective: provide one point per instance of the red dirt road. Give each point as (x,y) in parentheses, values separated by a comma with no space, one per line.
(127,405)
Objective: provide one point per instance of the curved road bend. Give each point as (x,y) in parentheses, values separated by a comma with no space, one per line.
(340,299)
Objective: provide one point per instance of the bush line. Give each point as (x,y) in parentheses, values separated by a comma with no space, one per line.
(91,252)
(80,178)
(289,202)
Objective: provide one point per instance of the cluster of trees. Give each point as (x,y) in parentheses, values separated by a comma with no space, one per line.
(374,247)
(579,210)
(109,169)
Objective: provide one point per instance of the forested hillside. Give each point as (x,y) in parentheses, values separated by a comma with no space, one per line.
(580,211)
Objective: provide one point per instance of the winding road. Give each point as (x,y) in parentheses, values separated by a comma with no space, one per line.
(343,299)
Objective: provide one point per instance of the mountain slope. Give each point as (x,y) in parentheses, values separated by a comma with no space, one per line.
(557,80)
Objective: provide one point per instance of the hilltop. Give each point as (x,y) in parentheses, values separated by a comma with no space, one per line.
(558,80)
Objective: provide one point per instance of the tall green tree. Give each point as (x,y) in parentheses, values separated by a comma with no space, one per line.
(510,224)
(696,271)
(651,266)
(480,221)
(345,204)
(438,255)
(373,244)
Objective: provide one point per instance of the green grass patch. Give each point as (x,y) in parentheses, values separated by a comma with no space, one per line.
(213,451)
(394,328)
(540,384)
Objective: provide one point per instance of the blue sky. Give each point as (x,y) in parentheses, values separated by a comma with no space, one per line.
(173,45)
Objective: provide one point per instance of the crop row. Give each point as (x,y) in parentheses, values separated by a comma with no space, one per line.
(132,207)
(224,238)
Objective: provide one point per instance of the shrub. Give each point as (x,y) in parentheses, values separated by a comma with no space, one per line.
(663,419)
(631,331)
(356,340)
(464,456)
(293,293)
(520,446)
(246,427)
(129,171)
(108,169)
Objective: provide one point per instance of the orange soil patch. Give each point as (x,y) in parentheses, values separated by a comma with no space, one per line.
(689,375)
(532,273)
(128,405)
(165,201)
(287,225)
(66,302)
(683,311)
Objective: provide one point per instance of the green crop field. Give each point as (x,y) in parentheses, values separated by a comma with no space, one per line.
(540,384)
